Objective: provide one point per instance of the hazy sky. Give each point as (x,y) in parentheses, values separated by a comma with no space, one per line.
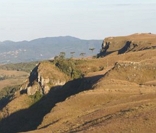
(86,19)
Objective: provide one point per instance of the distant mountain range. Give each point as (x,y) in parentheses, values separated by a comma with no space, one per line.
(46,48)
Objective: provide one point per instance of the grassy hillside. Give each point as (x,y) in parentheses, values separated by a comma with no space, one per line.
(116,94)
(131,43)
(12,77)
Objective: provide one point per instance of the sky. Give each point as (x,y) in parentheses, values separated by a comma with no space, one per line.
(85,19)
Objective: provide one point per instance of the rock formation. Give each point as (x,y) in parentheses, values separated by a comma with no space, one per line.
(105,46)
(123,44)
(42,78)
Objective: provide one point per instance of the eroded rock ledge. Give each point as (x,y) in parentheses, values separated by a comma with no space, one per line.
(42,78)
(124,44)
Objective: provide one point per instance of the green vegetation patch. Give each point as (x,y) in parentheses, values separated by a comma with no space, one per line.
(68,66)
(35,98)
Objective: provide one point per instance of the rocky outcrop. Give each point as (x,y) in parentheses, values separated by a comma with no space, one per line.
(124,44)
(42,78)
(31,90)
(105,46)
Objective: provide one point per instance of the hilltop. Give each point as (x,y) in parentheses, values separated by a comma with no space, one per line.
(131,43)
(113,93)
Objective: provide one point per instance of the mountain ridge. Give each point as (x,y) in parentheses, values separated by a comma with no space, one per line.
(45,48)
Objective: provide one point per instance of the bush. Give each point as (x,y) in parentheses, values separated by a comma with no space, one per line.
(68,67)
(35,98)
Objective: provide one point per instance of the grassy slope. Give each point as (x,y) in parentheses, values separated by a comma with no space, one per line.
(12,78)
(142,40)
(100,110)
(111,104)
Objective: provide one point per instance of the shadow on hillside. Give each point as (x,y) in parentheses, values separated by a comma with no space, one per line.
(106,53)
(125,48)
(31,118)
(4,101)
(7,94)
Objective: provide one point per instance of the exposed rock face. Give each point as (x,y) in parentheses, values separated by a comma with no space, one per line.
(42,78)
(105,46)
(124,44)
(31,90)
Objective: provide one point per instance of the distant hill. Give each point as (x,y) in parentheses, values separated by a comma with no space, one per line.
(46,48)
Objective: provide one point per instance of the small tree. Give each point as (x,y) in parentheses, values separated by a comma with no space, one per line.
(72,53)
(92,49)
(62,55)
(68,67)
(82,54)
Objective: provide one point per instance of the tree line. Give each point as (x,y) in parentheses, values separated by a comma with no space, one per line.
(81,54)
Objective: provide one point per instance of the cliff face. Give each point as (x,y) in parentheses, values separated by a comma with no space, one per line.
(43,77)
(123,44)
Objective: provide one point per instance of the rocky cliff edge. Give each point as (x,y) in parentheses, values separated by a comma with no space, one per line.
(42,78)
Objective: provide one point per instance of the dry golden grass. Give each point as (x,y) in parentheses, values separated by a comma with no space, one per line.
(94,65)
(12,73)
(99,110)
(49,70)
(19,102)
(142,40)
(138,73)
(13,78)
(113,104)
